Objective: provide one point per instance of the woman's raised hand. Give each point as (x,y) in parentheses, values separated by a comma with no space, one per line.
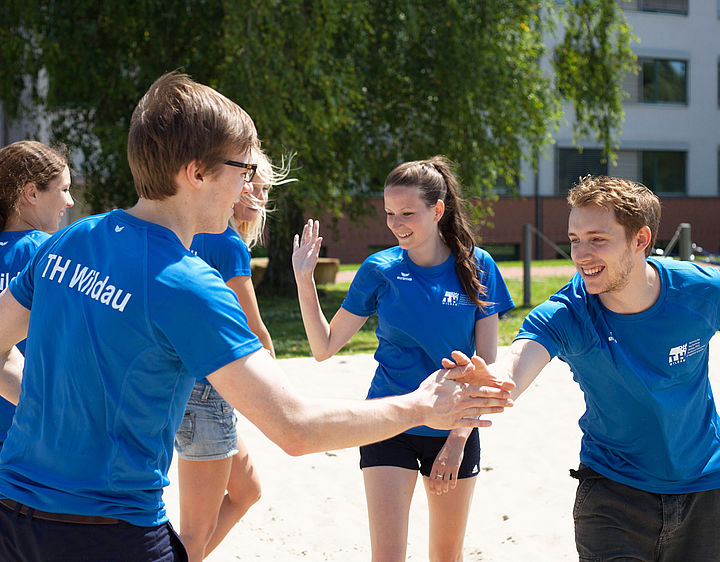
(306,249)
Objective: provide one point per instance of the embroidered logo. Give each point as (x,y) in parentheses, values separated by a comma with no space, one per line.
(611,338)
(119,228)
(3,243)
(404,277)
(451,298)
(680,353)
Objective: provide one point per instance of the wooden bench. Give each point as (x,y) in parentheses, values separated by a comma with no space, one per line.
(325,270)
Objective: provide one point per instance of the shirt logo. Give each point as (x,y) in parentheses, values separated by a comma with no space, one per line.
(680,353)
(119,228)
(451,298)
(404,277)
(3,243)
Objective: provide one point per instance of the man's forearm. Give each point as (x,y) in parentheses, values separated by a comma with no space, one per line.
(11,367)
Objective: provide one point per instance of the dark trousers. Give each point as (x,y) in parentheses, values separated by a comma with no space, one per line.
(24,538)
(616,522)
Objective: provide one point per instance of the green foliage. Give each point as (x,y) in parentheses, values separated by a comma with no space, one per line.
(99,58)
(590,63)
(353,87)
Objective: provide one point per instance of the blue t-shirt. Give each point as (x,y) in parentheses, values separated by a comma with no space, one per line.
(16,249)
(423,315)
(226,252)
(123,321)
(650,420)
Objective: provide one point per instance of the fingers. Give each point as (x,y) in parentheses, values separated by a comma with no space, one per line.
(447,364)
(442,477)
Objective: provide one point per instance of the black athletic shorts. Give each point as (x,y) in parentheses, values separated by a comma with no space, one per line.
(418,452)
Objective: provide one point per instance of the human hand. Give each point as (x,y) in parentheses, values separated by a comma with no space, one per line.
(445,468)
(446,404)
(306,249)
(480,375)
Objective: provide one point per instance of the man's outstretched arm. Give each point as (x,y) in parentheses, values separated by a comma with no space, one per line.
(257,388)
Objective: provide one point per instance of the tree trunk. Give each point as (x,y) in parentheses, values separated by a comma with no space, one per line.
(284,222)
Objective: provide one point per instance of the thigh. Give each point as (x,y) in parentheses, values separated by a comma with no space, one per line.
(615,522)
(696,537)
(243,474)
(448,515)
(202,487)
(388,490)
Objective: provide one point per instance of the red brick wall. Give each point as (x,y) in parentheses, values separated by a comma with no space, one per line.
(356,239)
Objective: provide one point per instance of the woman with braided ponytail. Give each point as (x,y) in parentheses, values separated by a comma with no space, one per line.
(433,293)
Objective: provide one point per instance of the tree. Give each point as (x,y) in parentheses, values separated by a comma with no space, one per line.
(353,87)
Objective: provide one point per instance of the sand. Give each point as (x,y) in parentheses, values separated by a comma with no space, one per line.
(313,507)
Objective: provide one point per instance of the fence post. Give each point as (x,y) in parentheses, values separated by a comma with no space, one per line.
(685,241)
(527,258)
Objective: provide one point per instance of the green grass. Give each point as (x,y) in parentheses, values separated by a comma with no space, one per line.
(283,319)
(540,289)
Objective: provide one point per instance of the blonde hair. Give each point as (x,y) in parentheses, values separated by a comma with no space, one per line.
(267,174)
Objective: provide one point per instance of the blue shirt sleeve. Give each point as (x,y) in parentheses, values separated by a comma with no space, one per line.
(497,294)
(546,325)
(227,253)
(204,323)
(362,297)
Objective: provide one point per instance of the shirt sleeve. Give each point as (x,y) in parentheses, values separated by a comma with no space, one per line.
(545,325)
(497,295)
(361,298)
(231,257)
(203,323)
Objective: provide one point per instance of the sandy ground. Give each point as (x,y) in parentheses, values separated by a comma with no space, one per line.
(313,507)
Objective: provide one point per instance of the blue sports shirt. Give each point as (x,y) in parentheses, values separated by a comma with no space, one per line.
(650,420)
(16,249)
(423,315)
(225,252)
(124,319)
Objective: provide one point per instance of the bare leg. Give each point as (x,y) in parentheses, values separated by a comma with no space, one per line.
(448,520)
(389,491)
(243,490)
(202,488)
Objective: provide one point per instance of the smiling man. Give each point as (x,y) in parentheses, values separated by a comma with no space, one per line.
(635,332)
(121,320)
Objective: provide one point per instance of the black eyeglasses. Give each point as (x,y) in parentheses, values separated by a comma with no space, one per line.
(250,169)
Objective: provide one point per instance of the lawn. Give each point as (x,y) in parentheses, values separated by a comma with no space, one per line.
(282,316)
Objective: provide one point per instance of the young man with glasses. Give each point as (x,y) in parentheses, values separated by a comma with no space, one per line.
(121,319)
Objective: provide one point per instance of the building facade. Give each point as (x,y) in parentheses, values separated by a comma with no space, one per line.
(670,142)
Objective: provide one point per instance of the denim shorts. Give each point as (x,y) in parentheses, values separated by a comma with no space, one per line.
(418,452)
(208,431)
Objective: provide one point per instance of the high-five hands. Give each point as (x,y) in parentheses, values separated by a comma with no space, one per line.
(306,249)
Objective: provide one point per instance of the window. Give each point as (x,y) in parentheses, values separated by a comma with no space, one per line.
(665,6)
(573,164)
(663,81)
(664,171)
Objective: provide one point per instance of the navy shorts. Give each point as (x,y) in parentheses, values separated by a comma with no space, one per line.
(27,538)
(418,452)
